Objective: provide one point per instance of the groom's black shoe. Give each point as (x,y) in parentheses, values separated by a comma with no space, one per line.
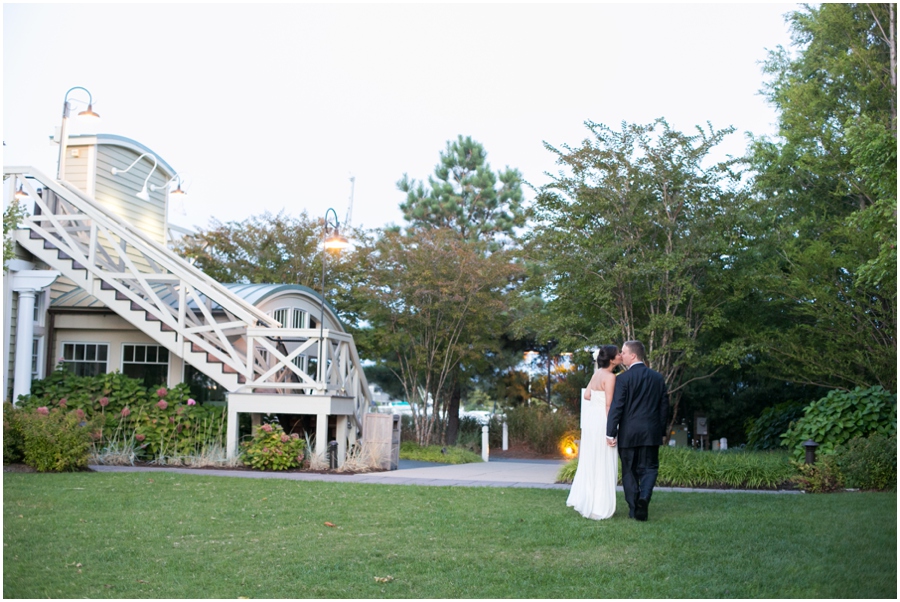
(640,509)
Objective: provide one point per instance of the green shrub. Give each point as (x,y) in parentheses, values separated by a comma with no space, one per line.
(158,423)
(765,431)
(685,467)
(13,442)
(869,463)
(822,477)
(538,428)
(841,416)
(566,474)
(272,449)
(55,440)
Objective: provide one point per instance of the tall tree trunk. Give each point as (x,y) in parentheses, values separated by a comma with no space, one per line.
(453,412)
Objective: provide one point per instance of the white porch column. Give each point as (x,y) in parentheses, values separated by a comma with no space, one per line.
(27,283)
(341,432)
(321,434)
(231,435)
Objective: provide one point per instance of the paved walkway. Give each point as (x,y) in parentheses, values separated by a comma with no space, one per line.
(535,474)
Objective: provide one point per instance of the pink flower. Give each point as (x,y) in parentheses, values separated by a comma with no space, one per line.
(191,402)
(295,436)
(62,402)
(125,412)
(267,428)
(162,392)
(140,437)
(285,438)
(80,413)
(104,401)
(43,411)
(265,450)
(300,458)
(172,419)
(162,404)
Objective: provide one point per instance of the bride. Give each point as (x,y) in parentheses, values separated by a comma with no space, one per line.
(593,492)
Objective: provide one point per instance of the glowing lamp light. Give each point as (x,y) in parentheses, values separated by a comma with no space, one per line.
(569,445)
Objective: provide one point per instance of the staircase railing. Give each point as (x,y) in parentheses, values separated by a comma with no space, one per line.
(113,255)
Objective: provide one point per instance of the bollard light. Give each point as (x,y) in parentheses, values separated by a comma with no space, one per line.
(332,455)
(810,447)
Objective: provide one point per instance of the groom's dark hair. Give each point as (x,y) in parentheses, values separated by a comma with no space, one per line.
(637,348)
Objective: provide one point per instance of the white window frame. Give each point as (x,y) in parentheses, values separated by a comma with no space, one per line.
(97,347)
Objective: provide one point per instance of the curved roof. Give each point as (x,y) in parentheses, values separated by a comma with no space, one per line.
(116,140)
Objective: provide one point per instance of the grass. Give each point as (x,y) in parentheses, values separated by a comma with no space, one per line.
(164,535)
(454,454)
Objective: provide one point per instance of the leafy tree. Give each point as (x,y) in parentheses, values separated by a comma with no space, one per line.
(483,207)
(465,195)
(12,215)
(824,254)
(276,249)
(635,240)
(432,303)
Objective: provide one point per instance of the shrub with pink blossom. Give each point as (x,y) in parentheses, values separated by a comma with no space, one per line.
(162,404)
(272,449)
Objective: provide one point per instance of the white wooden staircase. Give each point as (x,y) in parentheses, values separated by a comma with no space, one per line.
(180,307)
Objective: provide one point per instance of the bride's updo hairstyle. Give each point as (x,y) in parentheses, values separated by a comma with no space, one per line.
(606,354)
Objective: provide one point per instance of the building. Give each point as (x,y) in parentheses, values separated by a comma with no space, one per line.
(93,284)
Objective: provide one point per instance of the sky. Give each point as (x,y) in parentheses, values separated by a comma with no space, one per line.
(274,107)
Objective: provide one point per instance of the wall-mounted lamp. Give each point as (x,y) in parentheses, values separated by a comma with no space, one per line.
(63,135)
(178,193)
(143,194)
(21,194)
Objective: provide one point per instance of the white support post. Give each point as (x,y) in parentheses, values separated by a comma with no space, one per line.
(321,434)
(24,335)
(27,284)
(485,453)
(232,432)
(505,436)
(341,432)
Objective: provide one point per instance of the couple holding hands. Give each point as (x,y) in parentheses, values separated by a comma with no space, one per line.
(627,412)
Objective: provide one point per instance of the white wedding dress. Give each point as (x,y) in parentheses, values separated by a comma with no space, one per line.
(593,492)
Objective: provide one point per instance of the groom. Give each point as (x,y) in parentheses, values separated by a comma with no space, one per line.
(637,424)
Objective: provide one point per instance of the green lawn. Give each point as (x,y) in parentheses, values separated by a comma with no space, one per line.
(140,535)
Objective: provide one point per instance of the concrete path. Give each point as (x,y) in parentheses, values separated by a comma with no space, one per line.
(535,474)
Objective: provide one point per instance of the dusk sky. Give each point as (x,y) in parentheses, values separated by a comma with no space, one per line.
(270,107)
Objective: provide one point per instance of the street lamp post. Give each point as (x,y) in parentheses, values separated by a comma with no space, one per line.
(334,242)
(63,135)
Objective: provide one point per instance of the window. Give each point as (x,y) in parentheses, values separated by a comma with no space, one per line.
(291,317)
(35,358)
(86,359)
(149,363)
(38,308)
(203,388)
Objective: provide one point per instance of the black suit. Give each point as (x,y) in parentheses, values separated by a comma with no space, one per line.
(637,418)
